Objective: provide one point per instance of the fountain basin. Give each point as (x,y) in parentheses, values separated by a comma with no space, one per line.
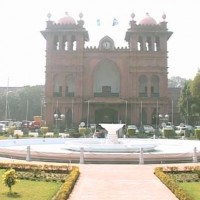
(54,150)
(101,145)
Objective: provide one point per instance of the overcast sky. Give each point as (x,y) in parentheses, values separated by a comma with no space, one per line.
(22,47)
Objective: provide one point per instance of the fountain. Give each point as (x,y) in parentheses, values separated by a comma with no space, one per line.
(112,129)
(110,144)
(102,150)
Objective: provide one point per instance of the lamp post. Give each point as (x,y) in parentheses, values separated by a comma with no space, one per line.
(7,105)
(58,120)
(126,113)
(164,119)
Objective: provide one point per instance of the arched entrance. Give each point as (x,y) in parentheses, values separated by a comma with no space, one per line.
(106,115)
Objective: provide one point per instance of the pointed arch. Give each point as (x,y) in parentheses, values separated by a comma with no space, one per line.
(106,79)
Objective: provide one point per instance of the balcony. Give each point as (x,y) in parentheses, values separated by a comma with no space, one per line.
(142,94)
(57,94)
(155,95)
(106,94)
(69,94)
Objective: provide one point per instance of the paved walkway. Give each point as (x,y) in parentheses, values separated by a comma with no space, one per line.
(117,182)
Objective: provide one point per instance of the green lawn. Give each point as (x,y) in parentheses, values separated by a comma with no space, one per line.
(27,190)
(192,188)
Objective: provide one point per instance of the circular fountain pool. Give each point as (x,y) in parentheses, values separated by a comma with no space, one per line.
(68,150)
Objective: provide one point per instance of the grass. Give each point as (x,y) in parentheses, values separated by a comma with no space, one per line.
(25,190)
(192,188)
(2,137)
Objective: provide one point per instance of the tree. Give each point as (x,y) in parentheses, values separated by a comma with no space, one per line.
(176,82)
(22,103)
(10,179)
(184,103)
(30,102)
(195,87)
(188,103)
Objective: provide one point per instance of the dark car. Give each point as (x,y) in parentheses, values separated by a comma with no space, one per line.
(30,125)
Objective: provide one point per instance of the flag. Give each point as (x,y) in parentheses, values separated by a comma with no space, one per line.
(98,22)
(115,22)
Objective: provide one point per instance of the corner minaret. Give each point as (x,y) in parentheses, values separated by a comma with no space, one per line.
(66,34)
(147,35)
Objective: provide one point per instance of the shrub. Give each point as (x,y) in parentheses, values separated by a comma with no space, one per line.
(197,133)
(10,179)
(11,130)
(56,131)
(171,183)
(68,186)
(131,132)
(44,130)
(74,134)
(168,133)
(82,131)
(25,131)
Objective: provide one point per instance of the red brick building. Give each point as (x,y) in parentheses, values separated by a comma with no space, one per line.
(105,83)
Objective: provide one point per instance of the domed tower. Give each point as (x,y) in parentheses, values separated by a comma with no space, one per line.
(148,35)
(147,42)
(65,40)
(65,34)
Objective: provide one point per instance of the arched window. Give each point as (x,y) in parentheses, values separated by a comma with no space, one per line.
(56,43)
(70,85)
(143,86)
(57,86)
(74,46)
(66,46)
(155,86)
(140,44)
(157,44)
(148,44)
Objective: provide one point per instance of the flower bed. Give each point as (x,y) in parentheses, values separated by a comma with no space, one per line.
(66,174)
(172,176)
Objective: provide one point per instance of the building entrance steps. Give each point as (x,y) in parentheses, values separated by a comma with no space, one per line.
(117,182)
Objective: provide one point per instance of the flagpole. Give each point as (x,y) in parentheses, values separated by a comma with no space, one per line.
(88,112)
(141,114)
(6,109)
(172,112)
(27,110)
(72,112)
(157,115)
(126,114)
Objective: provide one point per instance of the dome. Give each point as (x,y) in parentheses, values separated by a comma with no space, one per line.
(66,20)
(148,20)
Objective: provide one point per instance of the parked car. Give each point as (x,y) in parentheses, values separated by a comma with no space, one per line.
(30,125)
(168,127)
(197,127)
(183,129)
(148,129)
(133,127)
(2,128)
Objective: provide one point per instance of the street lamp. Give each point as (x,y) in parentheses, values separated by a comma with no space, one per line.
(164,119)
(58,120)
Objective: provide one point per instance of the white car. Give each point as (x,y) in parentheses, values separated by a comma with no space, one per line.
(2,128)
(180,130)
(148,129)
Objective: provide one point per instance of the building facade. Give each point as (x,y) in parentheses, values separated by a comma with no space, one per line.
(105,83)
